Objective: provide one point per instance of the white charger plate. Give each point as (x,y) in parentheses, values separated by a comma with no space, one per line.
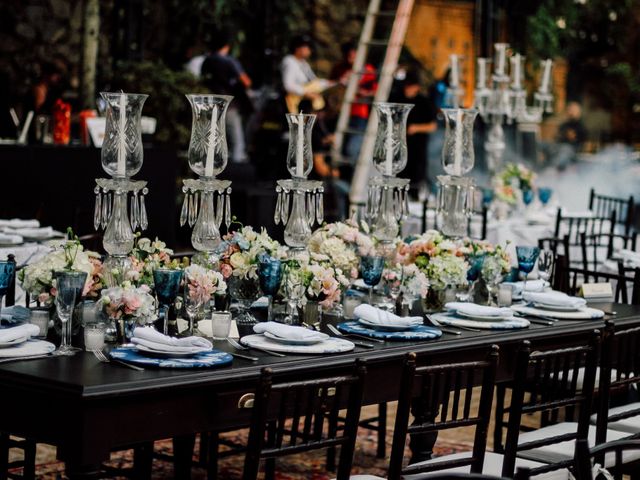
(384,328)
(293,341)
(556,308)
(482,318)
(13,343)
(164,354)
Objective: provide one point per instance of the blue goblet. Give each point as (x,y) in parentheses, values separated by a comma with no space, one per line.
(371,270)
(527,196)
(527,257)
(269,274)
(487,196)
(476,261)
(544,194)
(7,273)
(167,286)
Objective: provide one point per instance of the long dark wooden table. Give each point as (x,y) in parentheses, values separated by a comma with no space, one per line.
(87,408)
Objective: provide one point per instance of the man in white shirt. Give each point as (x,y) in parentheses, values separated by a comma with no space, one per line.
(298,80)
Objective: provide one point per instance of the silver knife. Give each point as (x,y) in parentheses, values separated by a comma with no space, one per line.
(246,357)
(16,359)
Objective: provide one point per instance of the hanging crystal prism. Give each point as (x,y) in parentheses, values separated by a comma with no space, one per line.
(97,211)
(227,208)
(319,209)
(276,213)
(144,220)
(185,209)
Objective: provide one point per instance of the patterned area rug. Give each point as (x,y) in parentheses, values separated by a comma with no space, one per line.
(308,466)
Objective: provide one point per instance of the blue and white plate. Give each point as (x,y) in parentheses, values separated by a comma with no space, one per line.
(419,332)
(144,350)
(292,341)
(507,323)
(213,358)
(331,345)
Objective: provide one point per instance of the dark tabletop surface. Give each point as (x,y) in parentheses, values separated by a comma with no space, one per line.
(83,375)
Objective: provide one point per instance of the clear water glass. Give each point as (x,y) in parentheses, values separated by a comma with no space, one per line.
(65,301)
(545,262)
(192,306)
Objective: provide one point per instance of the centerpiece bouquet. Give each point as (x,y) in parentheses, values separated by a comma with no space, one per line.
(147,256)
(128,306)
(38,278)
(202,283)
(511,182)
(242,250)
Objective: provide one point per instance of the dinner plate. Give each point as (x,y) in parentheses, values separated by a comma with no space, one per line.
(384,328)
(483,318)
(13,343)
(556,308)
(292,341)
(163,354)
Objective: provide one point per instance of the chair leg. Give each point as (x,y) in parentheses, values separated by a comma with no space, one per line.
(331,451)
(382,430)
(213,444)
(143,460)
(204,450)
(4,455)
(183,456)
(270,463)
(498,447)
(29,469)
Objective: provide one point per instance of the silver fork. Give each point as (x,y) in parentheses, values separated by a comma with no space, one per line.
(338,333)
(239,346)
(99,354)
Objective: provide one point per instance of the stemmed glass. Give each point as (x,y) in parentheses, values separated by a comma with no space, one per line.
(492,274)
(544,194)
(371,270)
(7,271)
(167,286)
(192,305)
(475,267)
(65,301)
(545,262)
(527,196)
(270,276)
(294,290)
(527,257)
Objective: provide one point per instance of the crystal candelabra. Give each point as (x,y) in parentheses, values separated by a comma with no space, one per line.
(506,99)
(387,196)
(453,95)
(456,192)
(122,157)
(299,202)
(207,200)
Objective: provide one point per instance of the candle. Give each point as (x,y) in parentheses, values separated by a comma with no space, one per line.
(349,304)
(388,143)
(300,146)
(220,325)
(40,318)
(546,76)
(455,77)
(482,73)
(457,159)
(505,296)
(93,337)
(211,147)
(502,51)
(122,149)
(515,68)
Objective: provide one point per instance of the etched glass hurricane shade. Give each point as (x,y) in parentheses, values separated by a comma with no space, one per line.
(122,146)
(390,150)
(457,153)
(299,154)
(208,152)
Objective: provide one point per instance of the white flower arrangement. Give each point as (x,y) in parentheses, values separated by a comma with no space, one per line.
(241,251)
(202,283)
(128,302)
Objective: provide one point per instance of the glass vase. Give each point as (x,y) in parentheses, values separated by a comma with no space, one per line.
(299,154)
(208,152)
(390,150)
(457,153)
(122,145)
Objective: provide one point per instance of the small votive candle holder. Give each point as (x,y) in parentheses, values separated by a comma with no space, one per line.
(220,324)
(40,318)
(349,304)
(505,296)
(94,337)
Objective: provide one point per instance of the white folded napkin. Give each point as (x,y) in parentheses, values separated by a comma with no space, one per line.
(532,286)
(576,213)
(380,317)
(630,256)
(11,239)
(19,223)
(15,313)
(37,232)
(13,333)
(480,310)
(289,332)
(151,338)
(28,349)
(554,299)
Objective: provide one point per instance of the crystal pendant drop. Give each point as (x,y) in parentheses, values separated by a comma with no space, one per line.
(319,208)
(192,209)
(132,212)
(97,212)
(285,208)
(105,210)
(196,205)
(276,213)
(184,213)
(144,220)
(406,201)
(311,208)
(227,208)
(219,209)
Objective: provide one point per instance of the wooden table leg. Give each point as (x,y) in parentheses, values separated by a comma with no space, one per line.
(183,456)
(82,472)
(421,445)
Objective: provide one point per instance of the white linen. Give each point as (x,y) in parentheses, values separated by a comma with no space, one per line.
(289,332)
(151,338)
(532,286)
(10,239)
(629,256)
(474,309)
(383,318)
(19,223)
(42,232)
(15,313)
(28,349)
(21,331)
(554,299)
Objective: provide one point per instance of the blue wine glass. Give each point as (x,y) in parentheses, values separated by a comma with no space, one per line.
(487,196)
(527,257)
(269,274)
(544,194)
(527,196)
(371,270)
(7,273)
(167,286)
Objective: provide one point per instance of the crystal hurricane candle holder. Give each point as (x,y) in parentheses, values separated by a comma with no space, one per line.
(457,152)
(122,157)
(455,204)
(298,200)
(207,200)
(390,150)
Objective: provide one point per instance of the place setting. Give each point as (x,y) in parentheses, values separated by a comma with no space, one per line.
(556,305)
(482,317)
(21,343)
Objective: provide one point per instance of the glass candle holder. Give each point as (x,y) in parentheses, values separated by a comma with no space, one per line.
(220,324)
(349,304)
(94,337)
(390,150)
(40,318)
(457,153)
(299,154)
(505,296)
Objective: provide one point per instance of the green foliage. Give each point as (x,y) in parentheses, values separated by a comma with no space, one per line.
(167,103)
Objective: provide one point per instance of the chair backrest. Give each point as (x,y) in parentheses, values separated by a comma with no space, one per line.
(574,226)
(294,414)
(558,246)
(551,380)
(603,205)
(448,389)
(620,351)
(599,247)
(521,474)
(10,296)
(583,455)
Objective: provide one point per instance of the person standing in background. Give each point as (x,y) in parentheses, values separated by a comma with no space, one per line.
(420,123)
(224,75)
